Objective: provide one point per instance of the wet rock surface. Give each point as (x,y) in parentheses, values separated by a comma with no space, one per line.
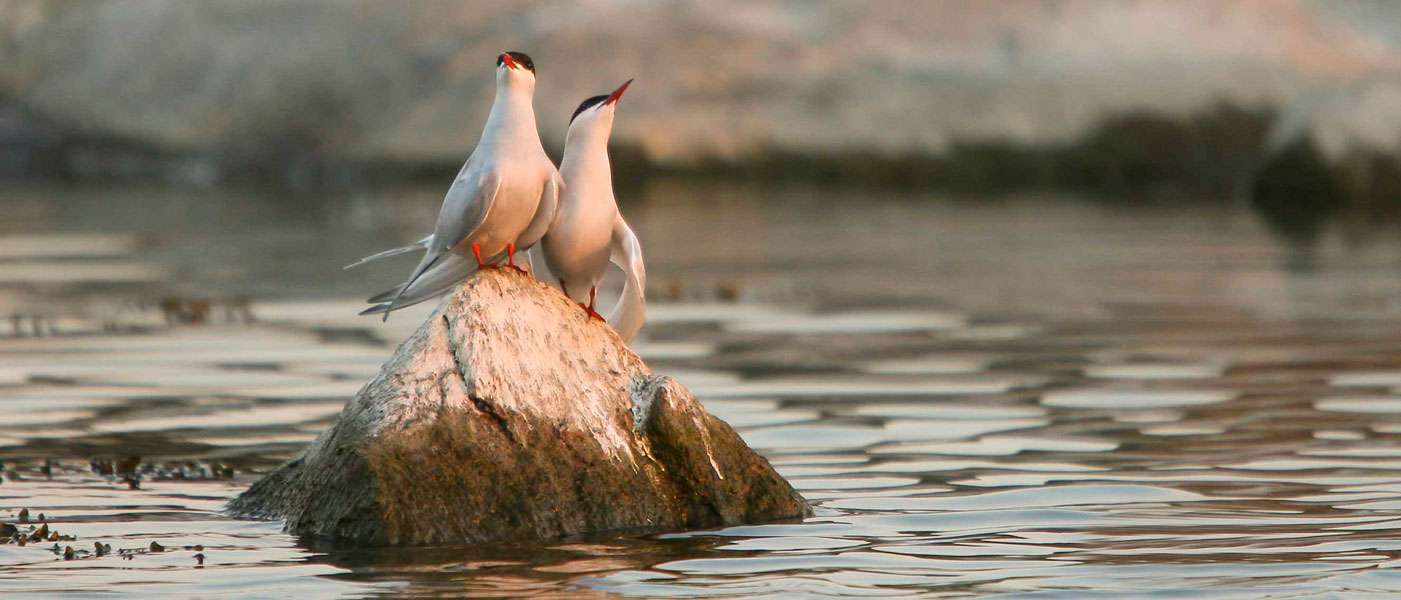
(510,415)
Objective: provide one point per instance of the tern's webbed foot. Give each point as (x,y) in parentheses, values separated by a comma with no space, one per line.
(593,297)
(590,313)
(481,264)
(516,268)
(511,259)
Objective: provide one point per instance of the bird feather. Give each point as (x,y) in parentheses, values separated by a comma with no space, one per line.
(631,311)
(416,246)
(464,209)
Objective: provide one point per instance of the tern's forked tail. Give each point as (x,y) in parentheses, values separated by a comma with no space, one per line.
(450,269)
(626,252)
(418,246)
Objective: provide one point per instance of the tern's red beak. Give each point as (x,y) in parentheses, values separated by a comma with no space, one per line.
(618,93)
(510,62)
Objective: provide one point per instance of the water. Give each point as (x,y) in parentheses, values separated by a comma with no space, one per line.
(1025,396)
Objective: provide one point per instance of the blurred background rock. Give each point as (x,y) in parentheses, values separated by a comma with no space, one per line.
(1113,95)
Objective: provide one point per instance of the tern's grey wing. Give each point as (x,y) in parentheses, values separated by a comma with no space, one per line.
(419,245)
(544,213)
(626,252)
(451,269)
(464,209)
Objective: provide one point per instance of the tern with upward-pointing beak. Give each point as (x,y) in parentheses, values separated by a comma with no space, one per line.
(588,231)
(502,201)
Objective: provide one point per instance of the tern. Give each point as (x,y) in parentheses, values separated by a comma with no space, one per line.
(503,199)
(588,232)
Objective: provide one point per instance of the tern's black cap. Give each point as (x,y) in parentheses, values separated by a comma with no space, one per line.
(587,104)
(521,59)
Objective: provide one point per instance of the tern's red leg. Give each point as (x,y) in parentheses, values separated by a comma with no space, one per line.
(511,258)
(593,291)
(481,264)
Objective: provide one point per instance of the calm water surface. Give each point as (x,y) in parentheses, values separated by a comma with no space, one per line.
(1026,396)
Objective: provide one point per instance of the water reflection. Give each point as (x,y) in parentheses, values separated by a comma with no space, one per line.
(1027,397)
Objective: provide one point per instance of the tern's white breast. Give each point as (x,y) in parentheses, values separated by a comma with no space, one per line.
(577,247)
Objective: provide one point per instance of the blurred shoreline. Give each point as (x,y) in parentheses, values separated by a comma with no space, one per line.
(1137,152)
(1293,106)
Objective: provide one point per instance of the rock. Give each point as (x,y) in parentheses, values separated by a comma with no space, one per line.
(511,415)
